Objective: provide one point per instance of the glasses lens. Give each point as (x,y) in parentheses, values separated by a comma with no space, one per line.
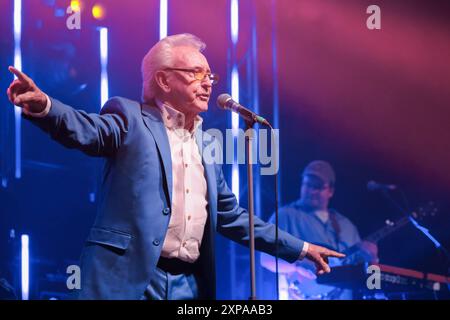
(201,75)
(214,78)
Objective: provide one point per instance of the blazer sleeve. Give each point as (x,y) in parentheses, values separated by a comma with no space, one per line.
(94,134)
(232,222)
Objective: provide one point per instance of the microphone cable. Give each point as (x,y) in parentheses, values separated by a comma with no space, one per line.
(272,131)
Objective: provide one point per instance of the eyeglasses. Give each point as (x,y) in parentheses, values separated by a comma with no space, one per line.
(199,74)
(315,186)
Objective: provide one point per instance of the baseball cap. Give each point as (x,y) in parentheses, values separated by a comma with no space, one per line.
(321,169)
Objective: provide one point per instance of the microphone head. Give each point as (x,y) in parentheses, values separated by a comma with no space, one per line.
(222,100)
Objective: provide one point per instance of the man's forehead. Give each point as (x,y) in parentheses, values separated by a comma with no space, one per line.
(190,57)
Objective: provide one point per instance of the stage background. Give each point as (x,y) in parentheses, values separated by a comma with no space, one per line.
(374,103)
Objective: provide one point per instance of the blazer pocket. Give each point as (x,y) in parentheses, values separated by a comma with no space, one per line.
(110,238)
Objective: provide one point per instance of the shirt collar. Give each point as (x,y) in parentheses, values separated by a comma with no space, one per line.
(174,119)
(323,215)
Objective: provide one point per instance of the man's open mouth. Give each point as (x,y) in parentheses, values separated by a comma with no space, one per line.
(203,97)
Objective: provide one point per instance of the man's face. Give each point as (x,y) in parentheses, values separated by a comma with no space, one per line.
(315,194)
(188,94)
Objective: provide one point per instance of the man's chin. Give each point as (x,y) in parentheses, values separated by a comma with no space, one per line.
(202,107)
(310,205)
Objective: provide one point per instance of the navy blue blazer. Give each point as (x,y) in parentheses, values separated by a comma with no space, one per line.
(124,245)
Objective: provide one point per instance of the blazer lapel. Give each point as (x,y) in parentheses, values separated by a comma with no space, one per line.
(153,121)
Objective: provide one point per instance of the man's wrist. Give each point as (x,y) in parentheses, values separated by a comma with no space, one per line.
(304,250)
(41,114)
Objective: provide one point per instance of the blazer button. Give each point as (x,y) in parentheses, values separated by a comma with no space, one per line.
(156,242)
(166,211)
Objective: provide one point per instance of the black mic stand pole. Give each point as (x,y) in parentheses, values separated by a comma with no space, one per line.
(251,209)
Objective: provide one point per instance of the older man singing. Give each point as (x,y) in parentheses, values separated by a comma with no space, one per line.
(160,202)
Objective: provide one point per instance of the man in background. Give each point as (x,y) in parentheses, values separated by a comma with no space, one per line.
(311,218)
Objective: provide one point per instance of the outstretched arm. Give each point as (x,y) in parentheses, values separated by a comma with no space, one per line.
(93,134)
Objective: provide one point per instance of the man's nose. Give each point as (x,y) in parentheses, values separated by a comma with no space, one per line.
(207,82)
(207,85)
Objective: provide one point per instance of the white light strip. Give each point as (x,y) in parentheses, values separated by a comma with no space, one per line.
(162,19)
(235,180)
(235,127)
(18,65)
(234,21)
(17,19)
(104,90)
(25,267)
(235,96)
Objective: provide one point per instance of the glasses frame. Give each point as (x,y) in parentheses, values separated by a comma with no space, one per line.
(198,75)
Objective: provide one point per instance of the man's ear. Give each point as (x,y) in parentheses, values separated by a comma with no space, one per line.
(331,192)
(162,81)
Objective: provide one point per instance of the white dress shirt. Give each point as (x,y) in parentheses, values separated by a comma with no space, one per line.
(189,213)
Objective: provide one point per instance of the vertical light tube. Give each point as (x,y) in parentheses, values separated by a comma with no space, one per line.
(255,89)
(235,128)
(25,267)
(18,65)
(234,21)
(276,98)
(235,95)
(104,87)
(234,25)
(163,9)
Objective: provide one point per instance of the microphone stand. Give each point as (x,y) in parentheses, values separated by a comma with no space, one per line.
(225,101)
(251,209)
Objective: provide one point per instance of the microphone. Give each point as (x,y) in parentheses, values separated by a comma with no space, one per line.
(226,102)
(374,186)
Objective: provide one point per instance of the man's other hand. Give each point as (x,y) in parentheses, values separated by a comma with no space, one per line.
(319,255)
(24,93)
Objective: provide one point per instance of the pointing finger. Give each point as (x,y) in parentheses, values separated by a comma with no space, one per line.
(20,75)
(331,253)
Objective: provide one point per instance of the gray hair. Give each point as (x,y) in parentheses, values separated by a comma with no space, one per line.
(160,56)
